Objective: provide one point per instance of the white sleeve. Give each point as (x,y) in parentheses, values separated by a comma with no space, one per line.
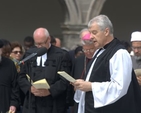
(120,66)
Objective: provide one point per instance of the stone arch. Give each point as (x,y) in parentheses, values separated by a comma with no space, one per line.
(94,9)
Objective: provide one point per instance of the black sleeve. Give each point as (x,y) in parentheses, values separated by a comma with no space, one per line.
(23,83)
(61,84)
(25,68)
(15,95)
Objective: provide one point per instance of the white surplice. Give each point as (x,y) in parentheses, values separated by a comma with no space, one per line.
(106,93)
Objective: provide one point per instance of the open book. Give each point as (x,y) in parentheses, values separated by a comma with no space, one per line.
(40,84)
(66,76)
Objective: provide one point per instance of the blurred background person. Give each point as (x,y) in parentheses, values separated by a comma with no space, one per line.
(136,58)
(6,49)
(16,53)
(136,47)
(78,51)
(58,42)
(81,62)
(28,42)
(53,41)
(126,45)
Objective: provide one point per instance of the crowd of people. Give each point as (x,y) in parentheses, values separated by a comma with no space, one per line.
(106,80)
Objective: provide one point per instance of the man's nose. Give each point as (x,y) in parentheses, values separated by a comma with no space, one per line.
(136,50)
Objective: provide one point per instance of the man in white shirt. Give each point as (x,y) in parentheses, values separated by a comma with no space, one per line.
(110,82)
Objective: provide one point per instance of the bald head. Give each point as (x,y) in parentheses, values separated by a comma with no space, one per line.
(41,37)
(41,32)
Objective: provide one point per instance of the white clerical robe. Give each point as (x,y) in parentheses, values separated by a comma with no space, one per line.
(106,93)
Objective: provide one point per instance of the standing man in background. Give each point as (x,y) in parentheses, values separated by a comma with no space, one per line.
(136,58)
(136,47)
(51,100)
(58,42)
(28,42)
(81,62)
(88,49)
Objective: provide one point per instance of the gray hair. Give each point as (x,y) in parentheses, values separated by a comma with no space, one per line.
(86,42)
(103,22)
(85,29)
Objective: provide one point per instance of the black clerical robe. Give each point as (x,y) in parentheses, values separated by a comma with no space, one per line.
(79,68)
(79,72)
(9,92)
(130,102)
(57,60)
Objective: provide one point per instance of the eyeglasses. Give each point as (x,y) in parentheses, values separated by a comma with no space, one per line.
(138,48)
(41,44)
(16,52)
(88,50)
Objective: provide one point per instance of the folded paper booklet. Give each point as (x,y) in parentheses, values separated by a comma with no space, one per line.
(66,76)
(40,84)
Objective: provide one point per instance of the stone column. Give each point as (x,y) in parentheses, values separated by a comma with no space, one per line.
(77,15)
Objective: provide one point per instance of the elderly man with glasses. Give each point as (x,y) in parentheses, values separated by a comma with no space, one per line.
(136,47)
(136,58)
(52,100)
(81,62)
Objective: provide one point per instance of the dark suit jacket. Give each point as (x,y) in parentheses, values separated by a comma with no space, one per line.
(57,60)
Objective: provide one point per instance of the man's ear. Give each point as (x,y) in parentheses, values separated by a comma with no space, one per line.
(107,32)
